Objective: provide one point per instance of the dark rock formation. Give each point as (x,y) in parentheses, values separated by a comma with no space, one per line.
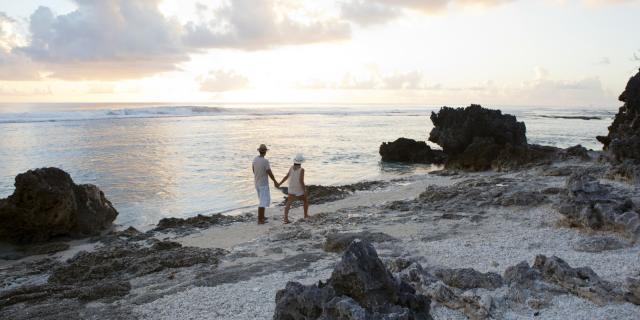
(47,203)
(623,140)
(457,128)
(338,242)
(582,281)
(627,171)
(106,272)
(633,291)
(468,278)
(576,152)
(473,137)
(410,151)
(322,194)
(360,288)
(131,260)
(475,194)
(199,221)
(599,244)
(474,306)
(591,204)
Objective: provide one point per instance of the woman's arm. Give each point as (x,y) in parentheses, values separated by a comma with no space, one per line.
(302,179)
(283,179)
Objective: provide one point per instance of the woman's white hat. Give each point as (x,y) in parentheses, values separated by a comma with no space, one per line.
(298,159)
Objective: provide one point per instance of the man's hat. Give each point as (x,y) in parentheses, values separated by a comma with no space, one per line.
(262,148)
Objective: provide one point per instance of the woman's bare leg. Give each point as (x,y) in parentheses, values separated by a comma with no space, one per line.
(306,205)
(286,208)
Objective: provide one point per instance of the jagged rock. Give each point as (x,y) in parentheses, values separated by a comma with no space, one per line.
(44,248)
(623,140)
(338,242)
(473,137)
(474,306)
(591,204)
(360,288)
(633,293)
(105,273)
(582,281)
(87,291)
(47,203)
(598,244)
(199,221)
(626,171)
(475,193)
(318,194)
(130,260)
(410,151)
(521,274)
(576,152)
(468,278)
(516,157)
(522,198)
(456,128)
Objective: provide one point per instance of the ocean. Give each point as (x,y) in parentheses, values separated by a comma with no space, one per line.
(162,160)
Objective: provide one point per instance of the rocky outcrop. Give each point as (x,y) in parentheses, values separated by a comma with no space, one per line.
(319,194)
(360,288)
(591,204)
(191,224)
(106,272)
(475,195)
(581,281)
(338,242)
(410,151)
(468,278)
(47,203)
(473,138)
(599,244)
(622,143)
(623,140)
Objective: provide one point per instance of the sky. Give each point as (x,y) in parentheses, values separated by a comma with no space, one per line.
(454,52)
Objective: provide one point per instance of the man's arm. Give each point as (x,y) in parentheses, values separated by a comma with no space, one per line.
(272,177)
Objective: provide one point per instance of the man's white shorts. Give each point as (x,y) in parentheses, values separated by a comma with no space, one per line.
(264,195)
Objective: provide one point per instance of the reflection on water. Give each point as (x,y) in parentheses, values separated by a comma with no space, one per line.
(395,168)
(180,166)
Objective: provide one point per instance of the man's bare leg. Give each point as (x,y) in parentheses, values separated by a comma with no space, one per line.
(260,215)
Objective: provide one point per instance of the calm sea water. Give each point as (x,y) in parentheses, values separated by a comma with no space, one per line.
(155,161)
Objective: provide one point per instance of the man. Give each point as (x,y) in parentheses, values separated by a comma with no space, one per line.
(262,170)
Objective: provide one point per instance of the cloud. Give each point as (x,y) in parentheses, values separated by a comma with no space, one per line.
(369,12)
(603,62)
(105,40)
(223,80)
(13,66)
(254,25)
(366,13)
(123,39)
(635,57)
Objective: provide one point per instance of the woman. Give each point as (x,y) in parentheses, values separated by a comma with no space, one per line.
(297,188)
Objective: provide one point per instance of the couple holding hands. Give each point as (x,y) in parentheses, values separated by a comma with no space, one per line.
(296,190)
